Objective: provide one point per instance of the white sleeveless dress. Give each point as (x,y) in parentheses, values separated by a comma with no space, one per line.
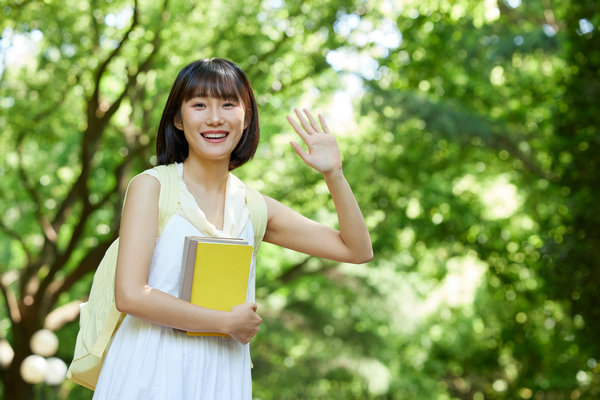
(146,361)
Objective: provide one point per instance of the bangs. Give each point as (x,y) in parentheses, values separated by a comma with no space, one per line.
(213,80)
(208,77)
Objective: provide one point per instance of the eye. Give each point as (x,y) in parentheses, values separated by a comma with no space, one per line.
(199,105)
(229,104)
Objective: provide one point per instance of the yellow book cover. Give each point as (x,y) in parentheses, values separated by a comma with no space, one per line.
(218,276)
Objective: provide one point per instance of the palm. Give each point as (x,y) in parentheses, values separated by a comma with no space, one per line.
(323,153)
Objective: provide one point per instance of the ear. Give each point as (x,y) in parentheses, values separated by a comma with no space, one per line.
(177,122)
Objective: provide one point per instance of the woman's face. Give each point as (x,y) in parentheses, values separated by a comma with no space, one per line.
(212,126)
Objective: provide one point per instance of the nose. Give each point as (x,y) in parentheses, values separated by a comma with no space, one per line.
(214,117)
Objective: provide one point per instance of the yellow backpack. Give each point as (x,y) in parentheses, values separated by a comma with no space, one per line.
(99,317)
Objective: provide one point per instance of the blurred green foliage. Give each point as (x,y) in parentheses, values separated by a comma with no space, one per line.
(470,135)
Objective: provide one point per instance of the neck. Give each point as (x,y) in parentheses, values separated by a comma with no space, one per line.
(212,176)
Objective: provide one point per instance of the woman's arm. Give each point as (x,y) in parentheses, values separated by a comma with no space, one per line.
(287,228)
(139,227)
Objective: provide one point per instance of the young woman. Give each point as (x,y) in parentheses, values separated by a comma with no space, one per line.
(208,128)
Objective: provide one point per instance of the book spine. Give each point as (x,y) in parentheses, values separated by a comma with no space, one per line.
(189,259)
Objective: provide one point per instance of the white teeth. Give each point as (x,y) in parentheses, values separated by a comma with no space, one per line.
(214,135)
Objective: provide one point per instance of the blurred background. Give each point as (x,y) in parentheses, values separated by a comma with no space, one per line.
(470,134)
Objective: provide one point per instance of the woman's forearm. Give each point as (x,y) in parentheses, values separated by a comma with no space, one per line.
(352,228)
(163,309)
(241,322)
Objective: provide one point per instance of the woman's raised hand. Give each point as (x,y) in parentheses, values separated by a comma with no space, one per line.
(323,153)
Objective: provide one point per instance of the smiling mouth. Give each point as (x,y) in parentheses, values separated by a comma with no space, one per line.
(214,136)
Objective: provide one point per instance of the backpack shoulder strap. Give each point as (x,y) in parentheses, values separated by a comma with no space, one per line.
(257,208)
(169,193)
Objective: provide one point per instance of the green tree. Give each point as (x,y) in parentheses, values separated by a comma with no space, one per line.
(484,145)
(78,120)
(472,151)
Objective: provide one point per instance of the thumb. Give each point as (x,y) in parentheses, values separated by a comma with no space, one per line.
(300,151)
(253,306)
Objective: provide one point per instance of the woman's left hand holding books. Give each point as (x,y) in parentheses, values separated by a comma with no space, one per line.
(243,322)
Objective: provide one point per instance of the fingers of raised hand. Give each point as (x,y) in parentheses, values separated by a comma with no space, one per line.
(309,123)
(323,124)
(313,123)
(301,132)
(311,120)
(305,124)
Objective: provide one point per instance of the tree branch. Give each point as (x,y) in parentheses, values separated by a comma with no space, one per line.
(299,270)
(62,258)
(96,126)
(15,236)
(491,132)
(294,272)
(295,81)
(45,113)
(49,232)
(49,247)
(95,30)
(10,299)
(94,100)
(77,191)
(88,264)
(92,133)
(50,289)
(277,46)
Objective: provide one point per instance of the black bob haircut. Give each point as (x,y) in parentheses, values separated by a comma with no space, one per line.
(215,77)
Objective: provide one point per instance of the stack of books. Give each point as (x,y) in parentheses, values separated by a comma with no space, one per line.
(215,273)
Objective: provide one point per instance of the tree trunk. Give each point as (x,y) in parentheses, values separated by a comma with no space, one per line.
(15,388)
